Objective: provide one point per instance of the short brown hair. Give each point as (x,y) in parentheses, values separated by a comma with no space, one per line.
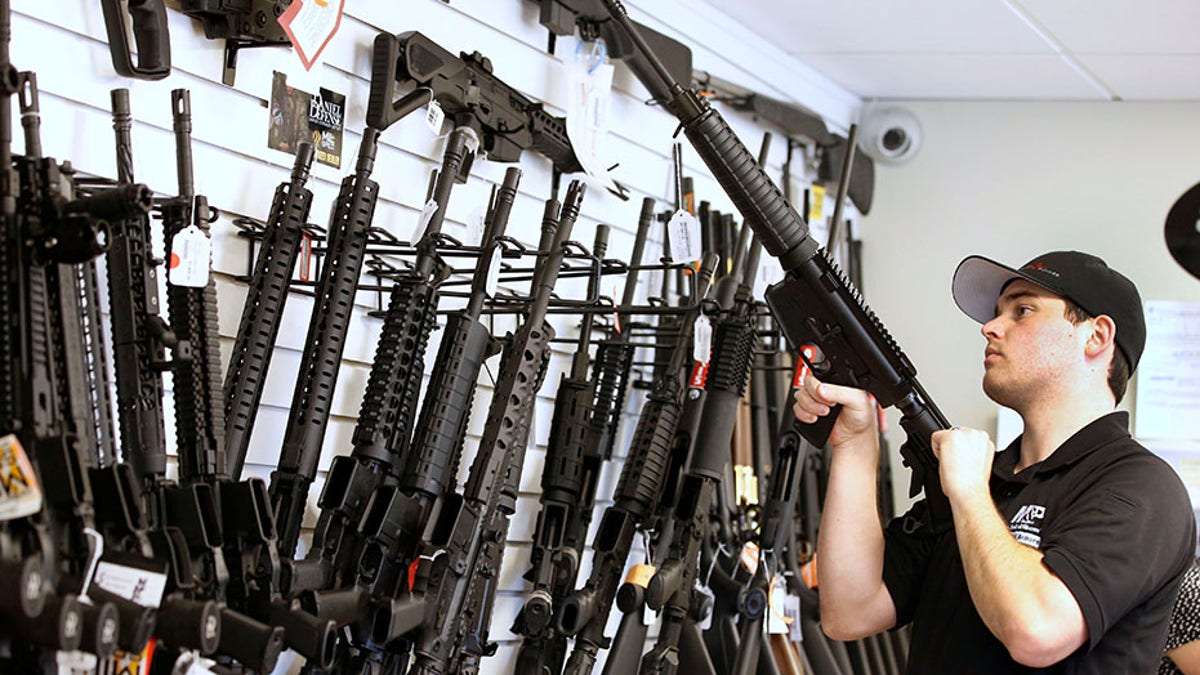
(1118,370)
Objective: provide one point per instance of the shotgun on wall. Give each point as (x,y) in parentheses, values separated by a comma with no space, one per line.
(815,303)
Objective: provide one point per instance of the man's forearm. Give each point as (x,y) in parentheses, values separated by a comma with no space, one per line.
(854,600)
(1020,600)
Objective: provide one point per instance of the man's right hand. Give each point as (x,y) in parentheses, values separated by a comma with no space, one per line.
(858,414)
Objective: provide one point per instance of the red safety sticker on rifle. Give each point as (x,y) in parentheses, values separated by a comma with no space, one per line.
(191,258)
(807,353)
(20,494)
(699,375)
(310,25)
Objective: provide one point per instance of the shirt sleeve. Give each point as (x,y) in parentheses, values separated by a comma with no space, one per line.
(907,549)
(1120,541)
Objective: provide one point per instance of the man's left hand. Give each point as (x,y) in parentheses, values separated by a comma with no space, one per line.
(964,460)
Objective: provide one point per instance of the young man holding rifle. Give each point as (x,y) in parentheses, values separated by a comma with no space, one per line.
(1068,546)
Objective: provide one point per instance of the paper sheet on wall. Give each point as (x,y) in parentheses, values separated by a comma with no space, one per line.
(1168,380)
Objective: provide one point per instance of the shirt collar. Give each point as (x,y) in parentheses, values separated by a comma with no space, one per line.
(1109,427)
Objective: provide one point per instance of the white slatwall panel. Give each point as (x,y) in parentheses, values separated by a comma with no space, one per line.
(63,41)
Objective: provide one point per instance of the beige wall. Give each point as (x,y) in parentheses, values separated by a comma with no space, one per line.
(1011,180)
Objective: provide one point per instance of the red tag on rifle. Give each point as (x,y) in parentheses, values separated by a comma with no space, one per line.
(808,353)
(699,375)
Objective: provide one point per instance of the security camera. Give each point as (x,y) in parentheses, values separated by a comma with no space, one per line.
(890,135)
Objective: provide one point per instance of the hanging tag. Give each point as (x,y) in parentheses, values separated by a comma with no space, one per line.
(777,621)
(20,494)
(95,550)
(684,233)
(749,557)
(640,575)
(493,278)
(708,619)
(191,258)
(305,256)
(475,224)
(310,25)
(702,339)
(588,90)
(816,210)
(75,661)
(530,438)
(145,587)
(769,272)
(434,117)
(791,609)
(431,208)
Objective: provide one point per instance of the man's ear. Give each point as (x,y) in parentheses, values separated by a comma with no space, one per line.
(1103,336)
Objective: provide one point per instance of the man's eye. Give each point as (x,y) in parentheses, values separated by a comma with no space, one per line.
(1024,310)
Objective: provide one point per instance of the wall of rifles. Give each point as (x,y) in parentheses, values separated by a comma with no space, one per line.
(63,42)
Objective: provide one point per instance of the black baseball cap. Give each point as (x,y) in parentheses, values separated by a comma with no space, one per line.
(1084,279)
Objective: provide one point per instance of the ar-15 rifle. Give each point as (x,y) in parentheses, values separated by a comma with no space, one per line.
(643,479)
(263,311)
(508,122)
(455,588)
(572,466)
(814,303)
(205,505)
(397,510)
(48,524)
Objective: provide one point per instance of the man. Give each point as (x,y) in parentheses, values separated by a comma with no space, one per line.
(1067,547)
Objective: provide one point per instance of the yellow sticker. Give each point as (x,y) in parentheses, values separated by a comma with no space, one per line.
(20,494)
(816,209)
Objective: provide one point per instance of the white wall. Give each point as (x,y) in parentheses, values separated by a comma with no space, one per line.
(64,42)
(1012,180)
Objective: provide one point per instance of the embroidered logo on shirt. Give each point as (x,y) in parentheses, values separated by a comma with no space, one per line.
(1026,525)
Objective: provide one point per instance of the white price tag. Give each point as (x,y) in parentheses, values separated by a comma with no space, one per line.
(310,26)
(145,587)
(191,258)
(475,224)
(769,272)
(493,276)
(702,339)
(434,117)
(777,622)
(431,208)
(791,609)
(708,619)
(684,232)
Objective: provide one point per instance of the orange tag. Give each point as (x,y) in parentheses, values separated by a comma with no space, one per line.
(640,575)
(808,572)
(749,557)
(808,352)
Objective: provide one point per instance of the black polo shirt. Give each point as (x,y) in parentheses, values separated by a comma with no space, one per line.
(1114,523)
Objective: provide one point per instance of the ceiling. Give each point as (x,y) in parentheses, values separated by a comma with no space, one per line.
(989,49)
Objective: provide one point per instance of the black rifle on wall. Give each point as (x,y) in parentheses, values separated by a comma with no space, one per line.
(261,315)
(507,121)
(398,509)
(644,477)
(814,303)
(452,593)
(572,466)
